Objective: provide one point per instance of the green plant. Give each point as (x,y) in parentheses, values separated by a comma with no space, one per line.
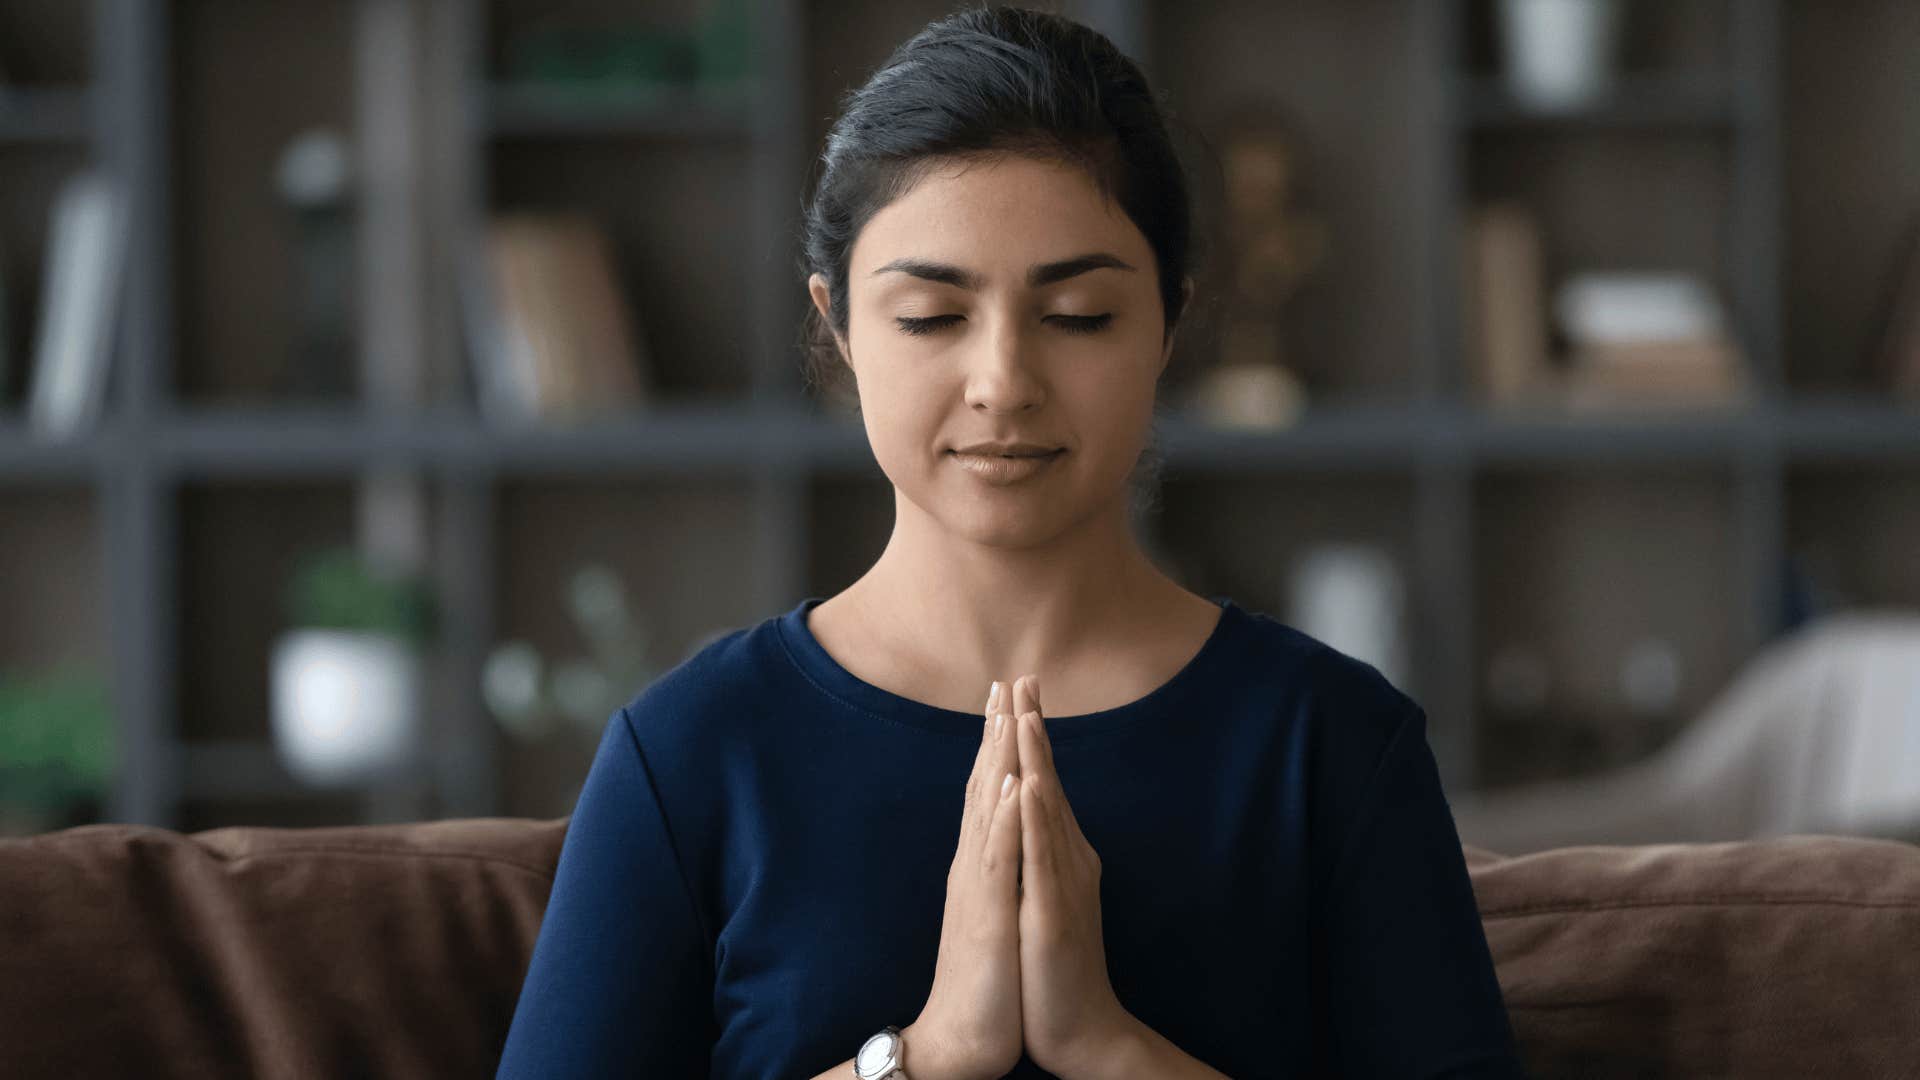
(56,738)
(336,589)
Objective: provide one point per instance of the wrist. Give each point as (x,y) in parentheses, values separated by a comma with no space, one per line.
(1122,1050)
(928,1056)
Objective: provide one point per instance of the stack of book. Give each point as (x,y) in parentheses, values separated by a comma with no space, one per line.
(554,340)
(1631,338)
(1647,339)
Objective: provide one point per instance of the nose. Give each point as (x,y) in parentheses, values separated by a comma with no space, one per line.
(1002,373)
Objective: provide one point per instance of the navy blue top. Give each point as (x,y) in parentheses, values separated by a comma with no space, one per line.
(754,877)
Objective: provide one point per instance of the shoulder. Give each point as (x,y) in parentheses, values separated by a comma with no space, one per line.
(718,676)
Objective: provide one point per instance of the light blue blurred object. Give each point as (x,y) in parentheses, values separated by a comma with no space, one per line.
(1349,596)
(1559,53)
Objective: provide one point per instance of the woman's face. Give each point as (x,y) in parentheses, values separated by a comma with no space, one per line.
(1004,300)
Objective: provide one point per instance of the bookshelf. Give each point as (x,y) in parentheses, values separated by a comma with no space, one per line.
(732,495)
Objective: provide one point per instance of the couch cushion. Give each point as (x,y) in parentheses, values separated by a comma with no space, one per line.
(389,950)
(1782,957)
(398,950)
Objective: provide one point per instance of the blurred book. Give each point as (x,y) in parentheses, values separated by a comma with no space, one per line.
(1704,372)
(1898,365)
(1506,316)
(554,339)
(1646,338)
(86,255)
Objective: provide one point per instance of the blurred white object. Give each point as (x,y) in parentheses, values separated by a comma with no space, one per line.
(314,169)
(1349,596)
(1613,308)
(79,305)
(510,683)
(346,706)
(1819,734)
(1559,53)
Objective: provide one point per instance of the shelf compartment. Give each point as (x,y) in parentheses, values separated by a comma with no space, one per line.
(1241,537)
(243,770)
(1614,200)
(239,543)
(683,551)
(850,520)
(1588,580)
(246,80)
(51,576)
(1337,74)
(674,216)
(30,181)
(51,42)
(1853,535)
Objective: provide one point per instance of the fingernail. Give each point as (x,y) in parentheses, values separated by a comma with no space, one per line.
(1006,785)
(993,695)
(999,722)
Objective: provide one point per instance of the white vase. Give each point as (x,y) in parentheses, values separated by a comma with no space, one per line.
(1559,53)
(1349,596)
(346,706)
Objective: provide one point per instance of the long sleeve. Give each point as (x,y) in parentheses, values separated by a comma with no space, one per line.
(621,978)
(1411,988)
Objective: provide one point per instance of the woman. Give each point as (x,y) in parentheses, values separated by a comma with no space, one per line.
(1178,838)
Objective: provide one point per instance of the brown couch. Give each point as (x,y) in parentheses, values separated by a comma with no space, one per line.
(397,950)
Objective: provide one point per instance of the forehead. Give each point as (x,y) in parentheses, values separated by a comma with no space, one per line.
(997,216)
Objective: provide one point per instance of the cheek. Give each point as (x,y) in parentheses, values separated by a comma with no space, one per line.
(905,416)
(1110,395)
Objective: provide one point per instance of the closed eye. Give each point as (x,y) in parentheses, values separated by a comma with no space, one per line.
(1072,324)
(927,325)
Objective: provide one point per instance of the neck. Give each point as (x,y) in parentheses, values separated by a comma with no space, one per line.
(1010,610)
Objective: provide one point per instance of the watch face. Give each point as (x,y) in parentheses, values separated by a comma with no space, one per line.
(874,1054)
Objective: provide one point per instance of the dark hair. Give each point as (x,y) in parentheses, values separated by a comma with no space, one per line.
(988,82)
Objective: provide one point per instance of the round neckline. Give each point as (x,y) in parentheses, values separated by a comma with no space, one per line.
(827,674)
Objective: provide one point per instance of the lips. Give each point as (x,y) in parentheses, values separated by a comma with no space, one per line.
(1005,468)
(1008,448)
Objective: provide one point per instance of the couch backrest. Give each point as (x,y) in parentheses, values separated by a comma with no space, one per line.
(390,950)
(398,950)
(1793,956)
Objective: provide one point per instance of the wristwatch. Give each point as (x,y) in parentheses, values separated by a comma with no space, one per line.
(880,1056)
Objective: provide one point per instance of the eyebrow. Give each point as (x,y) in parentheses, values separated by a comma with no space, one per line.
(1037,275)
